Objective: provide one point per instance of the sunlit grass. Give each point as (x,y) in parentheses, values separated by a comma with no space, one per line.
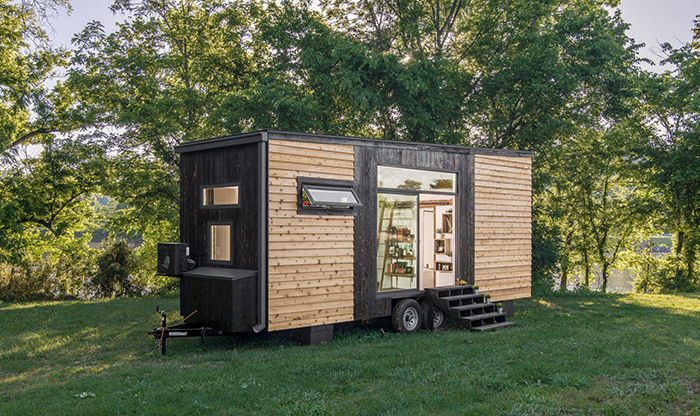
(569,354)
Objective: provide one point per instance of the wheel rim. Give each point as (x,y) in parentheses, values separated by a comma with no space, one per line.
(410,319)
(437,317)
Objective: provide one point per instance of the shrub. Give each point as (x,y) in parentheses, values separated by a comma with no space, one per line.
(113,276)
(47,278)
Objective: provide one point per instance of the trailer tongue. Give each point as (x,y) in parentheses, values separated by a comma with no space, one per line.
(183,330)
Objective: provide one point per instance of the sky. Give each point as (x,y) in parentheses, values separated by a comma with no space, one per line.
(652,21)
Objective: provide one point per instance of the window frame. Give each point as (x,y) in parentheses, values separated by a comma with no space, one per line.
(223,206)
(210,260)
(330,184)
(419,168)
(457,261)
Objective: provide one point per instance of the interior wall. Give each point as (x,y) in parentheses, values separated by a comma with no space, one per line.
(427,243)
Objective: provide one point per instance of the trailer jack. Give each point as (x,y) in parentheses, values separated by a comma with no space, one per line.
(164,332)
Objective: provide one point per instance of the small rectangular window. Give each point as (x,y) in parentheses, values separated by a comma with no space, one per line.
(330,196)
(416,179)
(220,195)
(220,242)
(319,196)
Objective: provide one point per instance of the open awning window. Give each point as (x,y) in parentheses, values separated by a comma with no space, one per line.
(333,196)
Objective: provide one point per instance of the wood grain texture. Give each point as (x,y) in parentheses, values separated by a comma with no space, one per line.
(503,226)
(311,257)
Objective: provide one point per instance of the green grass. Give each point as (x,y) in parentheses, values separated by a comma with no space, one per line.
(569,354)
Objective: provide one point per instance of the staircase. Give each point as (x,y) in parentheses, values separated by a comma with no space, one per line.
(467,308)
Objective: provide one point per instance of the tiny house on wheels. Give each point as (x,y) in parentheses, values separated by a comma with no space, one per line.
(291,231)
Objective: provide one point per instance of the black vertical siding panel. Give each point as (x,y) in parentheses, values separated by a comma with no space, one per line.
(366,303)
(220,166)
(231,306)
(360,242)
(468,229)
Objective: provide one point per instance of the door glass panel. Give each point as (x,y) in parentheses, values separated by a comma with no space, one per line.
(397,225)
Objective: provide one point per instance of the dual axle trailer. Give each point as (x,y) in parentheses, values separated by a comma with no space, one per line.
(291,231)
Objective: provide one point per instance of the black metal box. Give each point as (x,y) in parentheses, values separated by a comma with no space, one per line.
(172,258)
(221,298)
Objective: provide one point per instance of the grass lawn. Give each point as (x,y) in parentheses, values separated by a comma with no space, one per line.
(569,354)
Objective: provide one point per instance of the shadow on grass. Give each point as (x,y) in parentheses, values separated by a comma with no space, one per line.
(66,327)
(568,351)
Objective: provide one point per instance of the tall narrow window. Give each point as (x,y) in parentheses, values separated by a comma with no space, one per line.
(220,196)
(220,242)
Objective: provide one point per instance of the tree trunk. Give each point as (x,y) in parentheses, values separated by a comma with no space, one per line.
(604,289)
(566,264)
(690,261)
(587,269)
(680,240)
(680,237)
(564,279)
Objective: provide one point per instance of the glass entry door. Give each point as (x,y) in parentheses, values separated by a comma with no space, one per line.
(397,242)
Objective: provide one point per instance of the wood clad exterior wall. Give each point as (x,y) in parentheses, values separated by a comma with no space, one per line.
(311,256)
(237,164)
(503,226)
(230,306)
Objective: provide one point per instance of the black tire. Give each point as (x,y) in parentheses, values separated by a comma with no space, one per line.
(407,316)
(439,318)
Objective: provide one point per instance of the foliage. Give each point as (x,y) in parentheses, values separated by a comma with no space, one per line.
(59,274)
(113,276)
(545,252)
(28,108)
(670,114)
(42,201)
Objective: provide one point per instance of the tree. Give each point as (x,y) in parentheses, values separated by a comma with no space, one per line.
(42,198)
(156,82)
(670,110)
(28,107)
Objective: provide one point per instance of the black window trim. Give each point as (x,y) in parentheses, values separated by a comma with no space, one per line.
(331,184)
(223,185)
(208,247)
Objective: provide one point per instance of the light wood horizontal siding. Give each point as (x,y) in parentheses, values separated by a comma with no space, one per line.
(311,257)
(503,226)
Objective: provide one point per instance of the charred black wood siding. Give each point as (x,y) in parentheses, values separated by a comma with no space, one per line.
(367,304)
(236,164)
(230,306)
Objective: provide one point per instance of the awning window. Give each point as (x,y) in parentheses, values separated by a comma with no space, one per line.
(332,196)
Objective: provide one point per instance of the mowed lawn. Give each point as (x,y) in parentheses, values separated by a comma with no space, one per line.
(569,354)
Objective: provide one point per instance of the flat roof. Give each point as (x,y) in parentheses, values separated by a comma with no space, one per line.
(266,135)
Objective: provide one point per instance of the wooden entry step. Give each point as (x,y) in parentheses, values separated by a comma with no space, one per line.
(467,308)
(493,327)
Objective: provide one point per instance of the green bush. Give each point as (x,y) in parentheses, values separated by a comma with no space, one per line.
(114,272)
(47,278)
(660,274)
(80,272)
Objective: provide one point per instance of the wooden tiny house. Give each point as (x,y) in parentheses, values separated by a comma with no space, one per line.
(291,230)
